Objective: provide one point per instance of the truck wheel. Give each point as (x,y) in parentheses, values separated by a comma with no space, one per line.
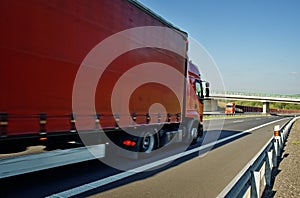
(191,132)
(194,135)
(200,130)
(148,143)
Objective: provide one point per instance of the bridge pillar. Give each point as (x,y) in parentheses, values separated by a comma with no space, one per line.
(266,107)
(210,105)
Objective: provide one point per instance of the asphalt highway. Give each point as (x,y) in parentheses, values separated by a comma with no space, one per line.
(203,170)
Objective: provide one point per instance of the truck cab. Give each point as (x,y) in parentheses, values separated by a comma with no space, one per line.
(230,108)
(195,99)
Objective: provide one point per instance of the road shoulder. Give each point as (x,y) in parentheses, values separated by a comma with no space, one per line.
(286,178)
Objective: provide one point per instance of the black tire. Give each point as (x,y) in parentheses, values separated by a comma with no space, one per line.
(148,143)
(191,132)
(200,130)
(194,130)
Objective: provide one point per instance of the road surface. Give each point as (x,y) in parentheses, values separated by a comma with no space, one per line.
(204,172)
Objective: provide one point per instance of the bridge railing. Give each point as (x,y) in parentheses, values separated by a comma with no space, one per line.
(238,93)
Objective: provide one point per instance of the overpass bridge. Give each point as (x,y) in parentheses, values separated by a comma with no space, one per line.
(264,98)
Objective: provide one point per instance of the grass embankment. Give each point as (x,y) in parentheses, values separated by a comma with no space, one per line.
(296,127)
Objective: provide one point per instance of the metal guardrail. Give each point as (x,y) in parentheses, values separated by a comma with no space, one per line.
(256,175)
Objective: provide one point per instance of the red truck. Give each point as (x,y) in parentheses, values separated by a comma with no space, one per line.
(42,46)
(230,108)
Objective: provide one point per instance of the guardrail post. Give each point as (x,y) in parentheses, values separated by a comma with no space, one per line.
(275,151)
(255,184)
(283,136)
(279,146)
(269,167)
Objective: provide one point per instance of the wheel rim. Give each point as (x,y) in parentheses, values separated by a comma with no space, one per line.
(194,133)
(148,143)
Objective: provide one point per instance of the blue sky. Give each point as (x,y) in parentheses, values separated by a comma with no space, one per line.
(255,43)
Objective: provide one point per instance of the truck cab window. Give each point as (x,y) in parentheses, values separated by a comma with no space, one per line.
(199,91)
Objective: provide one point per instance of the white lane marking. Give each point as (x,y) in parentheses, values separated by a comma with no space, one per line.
(96,184)
(257,118)
(238,121)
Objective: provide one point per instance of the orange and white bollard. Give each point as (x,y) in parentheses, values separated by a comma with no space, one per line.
(278,141)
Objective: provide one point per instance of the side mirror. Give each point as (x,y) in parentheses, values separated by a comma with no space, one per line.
(206,92)
(207,89)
